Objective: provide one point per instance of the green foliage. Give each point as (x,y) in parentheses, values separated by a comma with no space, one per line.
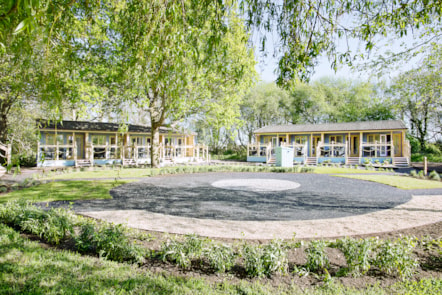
(430,158)
(357,254)
(317,260)
(221,257)
(182,253)
(54,225)
(433,149)
(434,175)
(112,242)
(396,257)
(260,260)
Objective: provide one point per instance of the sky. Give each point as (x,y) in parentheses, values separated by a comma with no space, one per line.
(266,66)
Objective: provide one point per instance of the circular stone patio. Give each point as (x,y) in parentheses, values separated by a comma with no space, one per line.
(264,205)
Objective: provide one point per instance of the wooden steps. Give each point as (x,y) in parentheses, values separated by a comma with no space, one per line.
(401,162)
(129,162)
(272,160)
(311,161)
(353,161)
(83,163)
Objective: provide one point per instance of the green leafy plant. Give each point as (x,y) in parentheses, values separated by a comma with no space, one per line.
(182,253)
(434,175)
(357,254)
(221,257)
(396,257)
(317,259)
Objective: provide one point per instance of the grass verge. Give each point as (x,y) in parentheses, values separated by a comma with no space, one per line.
(402,182)
(64,191)
(339,170)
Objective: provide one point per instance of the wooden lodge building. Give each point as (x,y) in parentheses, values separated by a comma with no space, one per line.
(79,143)
(351,143)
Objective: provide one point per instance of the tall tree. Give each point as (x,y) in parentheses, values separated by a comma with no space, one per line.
(337,100)
(261,107)
(174,65)
(417,96)
(307,28)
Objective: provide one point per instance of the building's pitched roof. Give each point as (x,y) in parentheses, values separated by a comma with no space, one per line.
(330,127)
(96,126)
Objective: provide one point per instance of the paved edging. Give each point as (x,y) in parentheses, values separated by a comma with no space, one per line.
(420,210)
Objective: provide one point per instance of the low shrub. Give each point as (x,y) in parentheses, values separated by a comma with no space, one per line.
(357,254)
(182,253)
(317,259)
(263,260)
(111,241)
(221,257)
(434,175)
(54,226)
(396,257)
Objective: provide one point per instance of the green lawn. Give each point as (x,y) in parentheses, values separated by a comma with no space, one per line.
(117,173)
(147,172)
(64,191)
(339,170)
(402,182)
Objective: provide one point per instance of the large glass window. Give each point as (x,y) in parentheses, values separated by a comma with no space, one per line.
(136,140)
(98,139)
(52,139)
(335,138)
(300,139)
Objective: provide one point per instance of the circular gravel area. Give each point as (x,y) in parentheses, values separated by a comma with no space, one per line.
(256,185)
(229,196)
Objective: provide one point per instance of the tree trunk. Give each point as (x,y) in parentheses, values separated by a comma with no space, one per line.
(155,146)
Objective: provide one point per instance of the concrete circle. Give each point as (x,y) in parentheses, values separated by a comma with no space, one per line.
(194,196)
(256,185)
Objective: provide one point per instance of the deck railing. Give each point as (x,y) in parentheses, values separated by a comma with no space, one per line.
(377,149)
(108,152)
(331,149)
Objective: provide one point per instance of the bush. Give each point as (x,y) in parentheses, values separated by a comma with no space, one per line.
(221,257)
(434,175)
(317,259)
(357,254)
(54,226)
(265,259)
(182,253)
(396,257)
(433,149)
(111,241)
(24,160)
(414,144)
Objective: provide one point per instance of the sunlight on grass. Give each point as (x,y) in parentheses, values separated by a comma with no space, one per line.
(402,182)
(64,191)
(115,174)
(338,170)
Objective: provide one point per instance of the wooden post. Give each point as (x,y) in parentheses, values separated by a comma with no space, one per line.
(360,144)
(38,152)
(425,166)
(9,154)
(56,149)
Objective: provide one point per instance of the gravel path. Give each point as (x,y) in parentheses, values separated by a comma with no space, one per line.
(321,206)
(310,197)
